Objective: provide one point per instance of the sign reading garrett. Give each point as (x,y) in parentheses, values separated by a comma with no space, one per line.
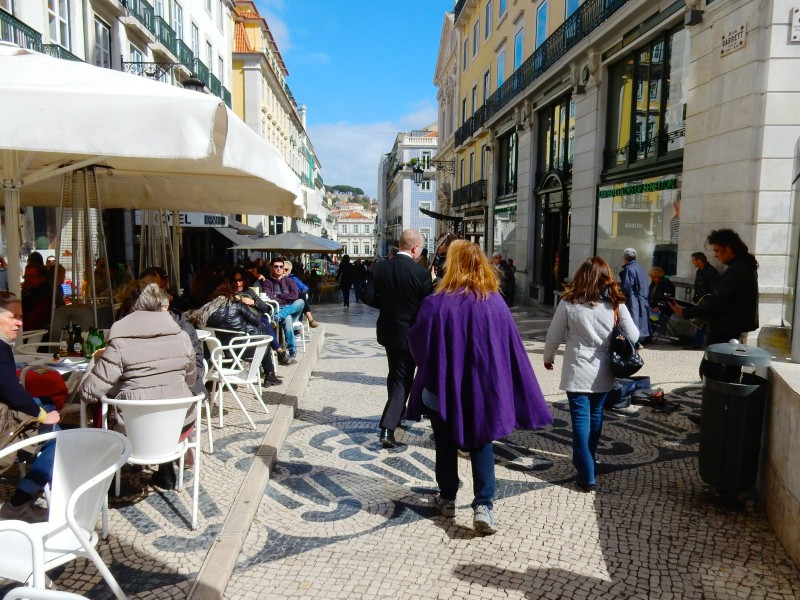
(733,40)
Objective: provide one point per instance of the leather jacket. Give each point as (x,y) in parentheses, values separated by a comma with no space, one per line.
(235,316)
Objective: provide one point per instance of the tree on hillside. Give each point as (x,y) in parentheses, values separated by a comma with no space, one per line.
(345,189)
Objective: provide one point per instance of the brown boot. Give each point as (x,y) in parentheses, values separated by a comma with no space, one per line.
(311,322)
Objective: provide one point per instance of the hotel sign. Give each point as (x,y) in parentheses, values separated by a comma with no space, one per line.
(191,219)
(733,40)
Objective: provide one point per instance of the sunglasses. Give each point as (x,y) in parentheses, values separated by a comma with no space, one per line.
(237,279)
(277,266)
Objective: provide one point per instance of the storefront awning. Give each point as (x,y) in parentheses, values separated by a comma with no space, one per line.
(234,237)
(440,216)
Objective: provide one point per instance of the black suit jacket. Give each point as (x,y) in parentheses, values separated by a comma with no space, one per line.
(401,285)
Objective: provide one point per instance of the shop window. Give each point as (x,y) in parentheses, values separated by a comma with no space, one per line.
(507,165)
(557,133)
(643,214)
(102,44)
(647,102)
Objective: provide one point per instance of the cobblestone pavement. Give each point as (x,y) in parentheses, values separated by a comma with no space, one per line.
(151,550)
(343,518)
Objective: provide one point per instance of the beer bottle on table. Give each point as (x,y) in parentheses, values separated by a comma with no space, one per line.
(77,342)
(63,343)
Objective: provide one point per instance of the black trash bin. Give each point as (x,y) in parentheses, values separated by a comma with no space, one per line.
(732,416)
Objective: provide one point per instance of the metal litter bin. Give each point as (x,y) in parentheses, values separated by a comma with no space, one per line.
(732,416)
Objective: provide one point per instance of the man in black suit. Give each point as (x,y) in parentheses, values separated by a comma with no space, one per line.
(400,285)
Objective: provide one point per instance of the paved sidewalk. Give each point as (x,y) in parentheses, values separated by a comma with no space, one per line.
(343,518)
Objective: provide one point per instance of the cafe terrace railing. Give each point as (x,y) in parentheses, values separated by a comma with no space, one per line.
(589,16)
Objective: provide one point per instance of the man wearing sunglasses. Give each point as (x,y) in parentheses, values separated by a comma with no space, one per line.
(284,291)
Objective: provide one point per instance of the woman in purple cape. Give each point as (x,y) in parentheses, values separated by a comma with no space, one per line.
(474,378)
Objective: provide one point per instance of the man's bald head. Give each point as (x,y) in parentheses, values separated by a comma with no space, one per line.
(411,242)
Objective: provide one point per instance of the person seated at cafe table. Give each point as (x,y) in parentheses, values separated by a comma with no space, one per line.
(148,357)
(13,397)
(241,279)
(37,298)
(284,291)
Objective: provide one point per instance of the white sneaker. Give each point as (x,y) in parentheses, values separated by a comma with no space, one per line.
(483,520)
(446,507)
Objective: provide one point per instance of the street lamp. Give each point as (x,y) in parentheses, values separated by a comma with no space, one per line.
(194,84)
(417,173)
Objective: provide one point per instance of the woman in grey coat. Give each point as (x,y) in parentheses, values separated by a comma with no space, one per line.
(148,357)
(585,318)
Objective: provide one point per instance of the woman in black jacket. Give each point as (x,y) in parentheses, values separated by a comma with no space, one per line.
(227,311)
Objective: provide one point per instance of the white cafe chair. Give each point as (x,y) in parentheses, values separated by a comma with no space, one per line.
(34,336)
(231,366)
(29,593)
(85,462)
(153,428)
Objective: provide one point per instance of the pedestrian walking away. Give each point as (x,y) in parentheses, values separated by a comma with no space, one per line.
(400,286)
(635,285)
(463,338)
(585,318)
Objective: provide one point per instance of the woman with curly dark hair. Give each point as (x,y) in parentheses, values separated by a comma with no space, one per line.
(590,306)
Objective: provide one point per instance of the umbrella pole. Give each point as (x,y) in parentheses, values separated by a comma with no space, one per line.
(176,250)
(11,195)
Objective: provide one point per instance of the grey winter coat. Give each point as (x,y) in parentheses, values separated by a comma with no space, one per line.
(148,357)
(587,332)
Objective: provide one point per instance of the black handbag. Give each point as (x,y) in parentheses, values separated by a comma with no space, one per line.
(625,360)
(369,295)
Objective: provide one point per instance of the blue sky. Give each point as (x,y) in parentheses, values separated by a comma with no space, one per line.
(364,69)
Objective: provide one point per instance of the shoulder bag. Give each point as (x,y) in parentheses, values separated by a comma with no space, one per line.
(625,360)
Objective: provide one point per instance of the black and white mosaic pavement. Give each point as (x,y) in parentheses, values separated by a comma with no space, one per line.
(344,518)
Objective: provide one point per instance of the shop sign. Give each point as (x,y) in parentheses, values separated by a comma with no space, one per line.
(733,40)
(631,189)
(505,208)
(191,219)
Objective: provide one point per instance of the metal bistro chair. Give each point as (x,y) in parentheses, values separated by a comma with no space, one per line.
(29,593)
(85,462)
(233,364)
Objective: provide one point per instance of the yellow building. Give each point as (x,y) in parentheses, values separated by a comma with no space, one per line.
(263,100)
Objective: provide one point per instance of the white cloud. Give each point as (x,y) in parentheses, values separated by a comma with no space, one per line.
(350,152)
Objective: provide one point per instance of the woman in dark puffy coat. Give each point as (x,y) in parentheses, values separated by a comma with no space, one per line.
(227,311)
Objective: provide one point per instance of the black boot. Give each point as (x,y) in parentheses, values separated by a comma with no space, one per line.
(165,476)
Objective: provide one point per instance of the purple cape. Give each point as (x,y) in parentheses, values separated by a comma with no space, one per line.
(470,355)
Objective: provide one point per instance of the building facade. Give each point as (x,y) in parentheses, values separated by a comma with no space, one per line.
(356,231)
(263,100)
(626,123)
(399,197)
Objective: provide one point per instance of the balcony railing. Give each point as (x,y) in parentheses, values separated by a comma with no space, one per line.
(474,192)
(184,53)
(652,147)
(15,31)
(202,72)
(166,35)
(215,85)
(144,13)
(57,51)
(226,97)
(589,16)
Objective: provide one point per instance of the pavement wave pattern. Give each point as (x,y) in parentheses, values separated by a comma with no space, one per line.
(343,518)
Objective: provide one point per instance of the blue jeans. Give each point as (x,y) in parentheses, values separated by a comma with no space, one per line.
(40,472)
(586,411)
(285,318)
(447,465)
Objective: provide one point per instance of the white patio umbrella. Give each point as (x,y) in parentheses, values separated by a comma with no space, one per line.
(293,242)
(165,147)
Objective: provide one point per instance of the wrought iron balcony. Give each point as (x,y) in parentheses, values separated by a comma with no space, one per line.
(144,13)
(215,85)
(202,72)
(166,35)
(154,70)
(184,53)
(226,97)
(589,16)
(57,51)
(474,192)
(15,31)
(652,147)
